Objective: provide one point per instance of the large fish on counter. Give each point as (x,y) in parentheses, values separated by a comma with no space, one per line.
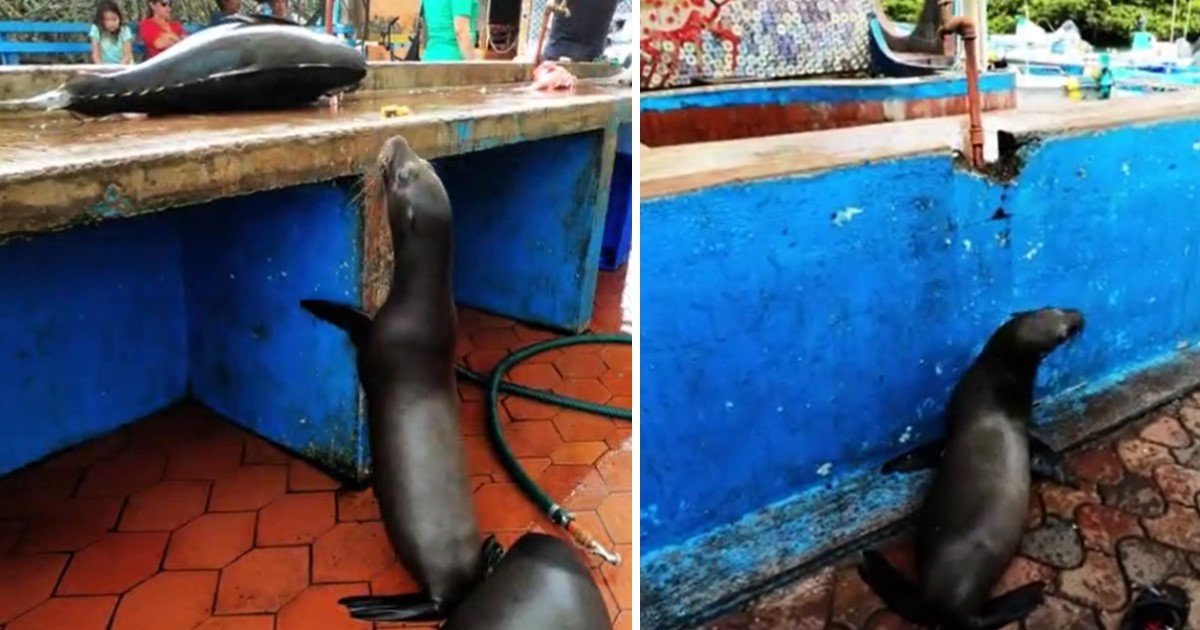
(244,63)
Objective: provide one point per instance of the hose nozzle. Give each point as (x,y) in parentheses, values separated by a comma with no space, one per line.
(589,542)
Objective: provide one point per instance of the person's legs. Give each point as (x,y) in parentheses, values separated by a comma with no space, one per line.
(580,36)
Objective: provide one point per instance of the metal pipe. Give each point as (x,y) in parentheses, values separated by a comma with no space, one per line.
(964,27)
(551,7)
(946,16)
(329,16)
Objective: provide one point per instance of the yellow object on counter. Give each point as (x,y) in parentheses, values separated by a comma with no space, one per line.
(392,111)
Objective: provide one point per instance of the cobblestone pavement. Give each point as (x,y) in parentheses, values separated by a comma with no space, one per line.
(1134,522)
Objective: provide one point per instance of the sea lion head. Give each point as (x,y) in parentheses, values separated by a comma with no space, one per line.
(1039,332)
(415,196)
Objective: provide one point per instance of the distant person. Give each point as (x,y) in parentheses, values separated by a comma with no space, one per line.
(582,35)
(225,8)
(449,29)
(112,42)
(275,8)
(158,31)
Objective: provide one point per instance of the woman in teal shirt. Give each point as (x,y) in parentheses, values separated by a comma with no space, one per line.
(450,28)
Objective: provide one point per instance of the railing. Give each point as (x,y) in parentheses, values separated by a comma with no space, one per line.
(11,51)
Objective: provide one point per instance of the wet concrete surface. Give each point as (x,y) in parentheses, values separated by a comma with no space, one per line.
(29,142)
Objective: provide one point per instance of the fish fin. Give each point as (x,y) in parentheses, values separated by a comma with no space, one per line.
(257,19)
(897,592)
(355,322)
(409,607)
(920,458)
(1012,606)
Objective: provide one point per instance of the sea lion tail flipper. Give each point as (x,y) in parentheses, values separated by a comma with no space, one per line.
(408,607)
(356,323)
(897,592)
(1047,464)
(1012,606)
(920,458)
(492,552)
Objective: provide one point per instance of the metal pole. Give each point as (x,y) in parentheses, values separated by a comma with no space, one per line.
(1174,9)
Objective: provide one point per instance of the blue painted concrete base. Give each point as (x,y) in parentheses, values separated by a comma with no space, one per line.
(685,585)
(528,227)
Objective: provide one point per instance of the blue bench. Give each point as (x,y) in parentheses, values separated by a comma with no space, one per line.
(11,51)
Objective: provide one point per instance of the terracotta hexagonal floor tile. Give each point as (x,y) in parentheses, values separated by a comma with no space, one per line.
(114,564)
(624,621)
(357,505)
(394,580)
(123,475)
(262,580)
(620,577)
(239,622)
(10,533)
(351,552)
(166,506)
(616,467)
(26,581)
(579,453)
(576,365)
(317,607)
(303,477)
(171,600)
(502,339)
(525,409)
(580,487)
(502,507)
(578,426)
(484,359)
(296,519)
(249,488)
(617,356)
(617,513)
(618,382)
(70,525)
(260,451)
(211,541)
(76,613)
(480,458)
(210,458)
(535,375)
(33,489)
(472,418)
(536,438)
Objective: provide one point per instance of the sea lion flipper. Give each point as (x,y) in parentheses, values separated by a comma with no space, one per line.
(898,593)
(1012,606)
(407,607)
(920,458)
(355,322)
(492,552)
(1048,465)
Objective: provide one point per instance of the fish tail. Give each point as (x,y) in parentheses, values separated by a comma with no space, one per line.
(47,101)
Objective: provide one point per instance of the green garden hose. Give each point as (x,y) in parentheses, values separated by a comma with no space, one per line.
(495,384)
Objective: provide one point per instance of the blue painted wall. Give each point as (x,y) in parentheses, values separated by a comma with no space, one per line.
(833,92)
(801,329)
(255,355)
(528,226)
(91,333)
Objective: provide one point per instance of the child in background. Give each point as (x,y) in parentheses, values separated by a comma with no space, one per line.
(112,43)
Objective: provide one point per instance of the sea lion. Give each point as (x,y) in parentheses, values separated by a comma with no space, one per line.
(540,583)
(243,63)
(970,524)
(405,357)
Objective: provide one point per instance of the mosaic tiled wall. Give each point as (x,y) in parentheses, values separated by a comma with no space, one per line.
(535,19)
(682,40)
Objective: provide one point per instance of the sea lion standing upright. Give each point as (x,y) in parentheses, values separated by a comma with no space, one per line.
(970,525)
(406,367)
